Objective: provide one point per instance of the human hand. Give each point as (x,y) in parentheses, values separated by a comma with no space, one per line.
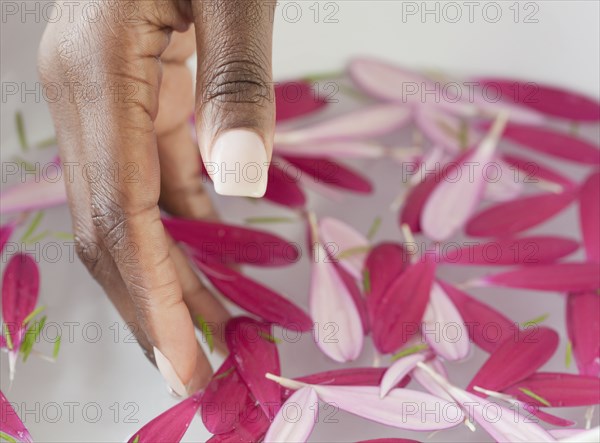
(124,103)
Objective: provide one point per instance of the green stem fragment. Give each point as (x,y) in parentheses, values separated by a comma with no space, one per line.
(409,351)
(353,251)
(32,226)
(56,349)
(257,220)
(8,338)
(374,227)
(5,437)
(535,321)
(269,337)
(206,332)
(569,354)
(20,124)
(366,281)
(32,314)
(533,395)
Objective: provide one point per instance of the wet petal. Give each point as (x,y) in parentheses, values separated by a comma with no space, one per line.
(11,423)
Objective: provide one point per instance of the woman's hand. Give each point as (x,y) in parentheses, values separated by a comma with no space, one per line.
(125,99)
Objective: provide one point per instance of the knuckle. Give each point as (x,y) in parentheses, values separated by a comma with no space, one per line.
(238,78)
(90,252)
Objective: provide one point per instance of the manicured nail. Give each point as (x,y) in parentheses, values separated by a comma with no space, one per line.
(168,372)
(238,164)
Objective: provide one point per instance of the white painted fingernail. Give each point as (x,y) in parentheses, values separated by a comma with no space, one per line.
(168,372)
(238,164)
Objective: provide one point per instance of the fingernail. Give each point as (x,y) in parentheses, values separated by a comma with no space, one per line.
(168,372)
(238,164)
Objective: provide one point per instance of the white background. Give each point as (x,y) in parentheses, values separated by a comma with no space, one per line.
(562,48)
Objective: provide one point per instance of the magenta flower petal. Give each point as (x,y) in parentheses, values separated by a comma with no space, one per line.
(296,99)
(443,327)
(357,296)
(346,245)
(220,242)
(11,423)
(332,307)
(171,425)
(33,195)
(589,216)
(6,231)
(583,327)
(453,201)
(487,327)
(255,355)
(305,407)
(533,171)
(398,315)
(20,291)
(398,371)
(283,187)
(560,277)
(558,389)
(389,440)
(333,149)
(383,265)
(225,394)
(512,251)
(527,351)
(554,420)
(511,217)
(551,142)
(255,298)
(329,172)
(367,122)
(252,427)
(550,100)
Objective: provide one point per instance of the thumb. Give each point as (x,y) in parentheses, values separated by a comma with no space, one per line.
(235,108)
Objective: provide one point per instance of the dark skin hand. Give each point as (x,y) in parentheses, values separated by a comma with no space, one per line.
(134,55)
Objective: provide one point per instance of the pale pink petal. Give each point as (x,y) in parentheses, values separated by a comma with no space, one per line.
(424,378)
(367,122)
(443,327)
(559,277)
(171,425)
(11,423)
(587,436)
(33,195)
(500,183)
(296,419)
(565,433)
(397,371)
(453,201)
(335,149)
(583,327)
(339,238)
(589,216)
(333,309)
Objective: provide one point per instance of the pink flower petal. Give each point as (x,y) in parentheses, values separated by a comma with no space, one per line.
(225,393)
(452,202)
(255,355)
(585,436)
(583,327)
(558,389)
(398,315)
(326,171)
(11,423)
(341,238)
(389,440)
(550,100)
(516,359)
(368,122)
(6,231)
(332,308)
(220,242)
(255,298)
(171,425)
(444,129)
(398,371)
(550,142)
(518,215)
(296,419)
(357,296)
(487,327)
(500,183)
(252,427)
(385,262)
(424,378)
(443,327)
(20,291)
(534,171)
(512,251)
(589,216)
(33,195)
(296,99)
(334,149)
(560,277)
(283,187)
